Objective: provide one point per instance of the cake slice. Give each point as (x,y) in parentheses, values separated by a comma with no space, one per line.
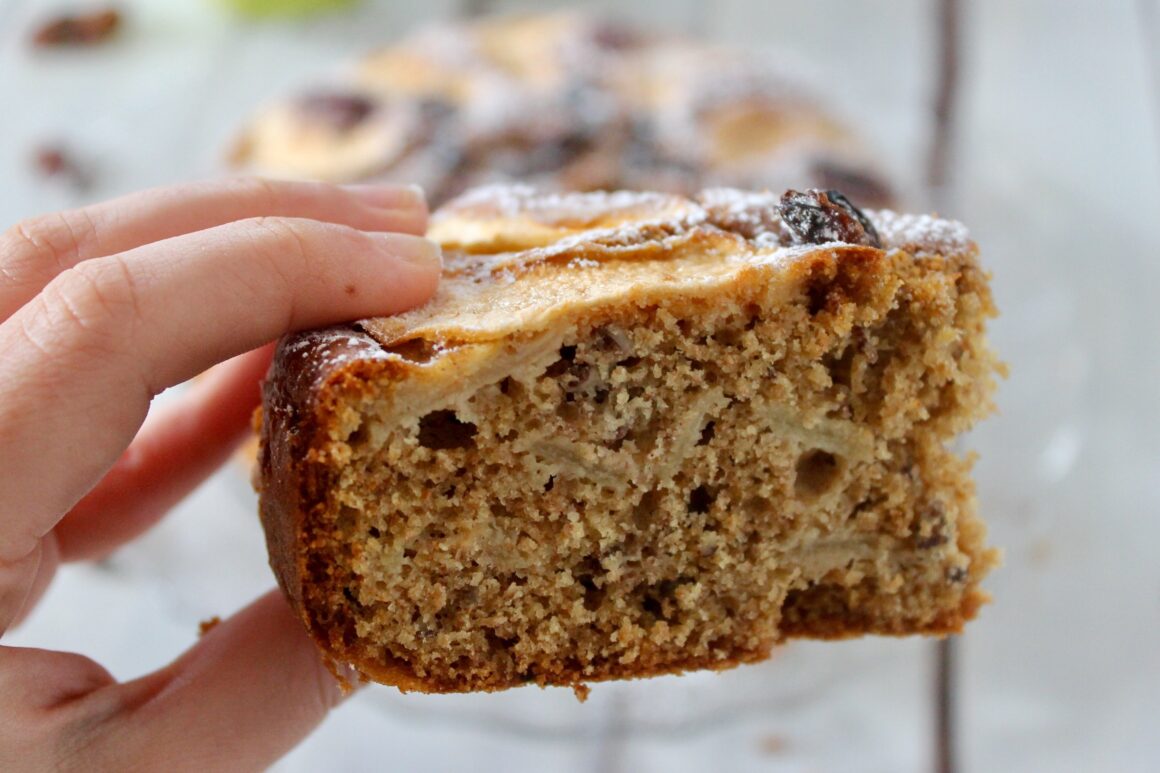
(635,434)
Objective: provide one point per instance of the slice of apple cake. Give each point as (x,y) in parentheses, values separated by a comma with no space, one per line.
(633,434)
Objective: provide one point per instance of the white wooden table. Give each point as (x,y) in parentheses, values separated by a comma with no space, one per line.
(1057,171)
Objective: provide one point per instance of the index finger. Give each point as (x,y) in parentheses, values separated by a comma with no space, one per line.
(35,251)
(84,358)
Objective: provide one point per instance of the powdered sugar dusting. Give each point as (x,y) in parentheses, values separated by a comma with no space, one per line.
(305,360)
(330,349)
(750,214)
(920,234)
(511,201)
(596,227)
(622,238)
(585,249)
(738,203)
(754,215)
(767,241)
(500,198)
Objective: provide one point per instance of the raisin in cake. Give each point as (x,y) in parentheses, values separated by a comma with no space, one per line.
(633,434)
(562,101)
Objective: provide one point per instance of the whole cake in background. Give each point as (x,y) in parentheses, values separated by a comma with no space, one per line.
(561,101)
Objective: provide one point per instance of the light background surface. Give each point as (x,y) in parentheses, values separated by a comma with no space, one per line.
(1057,174)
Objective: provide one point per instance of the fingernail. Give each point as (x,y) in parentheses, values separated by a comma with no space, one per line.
(413,249)
(389,196)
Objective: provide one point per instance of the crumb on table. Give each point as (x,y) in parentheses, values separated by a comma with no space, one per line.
(205,626)
(78,29)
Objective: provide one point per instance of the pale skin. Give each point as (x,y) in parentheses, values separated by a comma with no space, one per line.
(100,310)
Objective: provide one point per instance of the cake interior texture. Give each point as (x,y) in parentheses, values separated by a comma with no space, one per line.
(673,479)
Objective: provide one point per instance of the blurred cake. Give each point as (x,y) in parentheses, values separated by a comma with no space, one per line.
(564,102)
(632,434)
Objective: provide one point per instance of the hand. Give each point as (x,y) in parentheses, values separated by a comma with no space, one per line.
(100,310)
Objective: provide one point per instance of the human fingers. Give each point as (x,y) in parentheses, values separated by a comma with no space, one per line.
(86,356)
(239,699)
(23,582)
(35,251)
(178,447)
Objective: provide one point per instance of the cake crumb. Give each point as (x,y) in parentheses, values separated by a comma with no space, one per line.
(79,29)
(1039,553)
(205,626)
(55,161)
(581,691)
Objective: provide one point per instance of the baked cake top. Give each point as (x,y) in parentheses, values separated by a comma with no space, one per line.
(515,258)
(517,261)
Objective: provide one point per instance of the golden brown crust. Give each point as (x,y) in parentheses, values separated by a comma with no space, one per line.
(289,420)
(727,246)
(577,249)
(308,372)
